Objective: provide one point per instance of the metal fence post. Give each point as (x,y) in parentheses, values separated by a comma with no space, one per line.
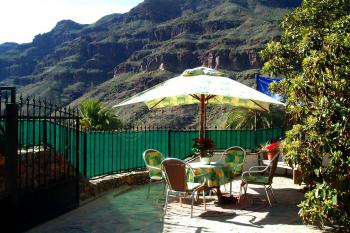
(85,155)
(255,139)
(169,142)
(13,94)
(44,134)
(11,148)
(77,173)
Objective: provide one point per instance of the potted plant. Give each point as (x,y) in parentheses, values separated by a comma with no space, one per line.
(204,148)
(269,150)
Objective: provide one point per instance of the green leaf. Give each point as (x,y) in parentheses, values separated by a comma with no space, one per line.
(317,172)
(334,199)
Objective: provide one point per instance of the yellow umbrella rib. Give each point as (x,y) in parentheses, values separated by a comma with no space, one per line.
(210,97)
(195,97)
(157,103)
(260,106)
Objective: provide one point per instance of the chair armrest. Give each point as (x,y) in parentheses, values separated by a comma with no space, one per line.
(252,169)
(250,172)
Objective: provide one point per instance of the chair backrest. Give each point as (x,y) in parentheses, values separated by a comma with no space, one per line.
(235,157)
(175,174)
(273,166)
(153,158)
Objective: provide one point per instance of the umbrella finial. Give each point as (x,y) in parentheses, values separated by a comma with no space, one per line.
(202,70)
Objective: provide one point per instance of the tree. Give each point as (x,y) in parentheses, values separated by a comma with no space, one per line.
(314,57)
(97,117)
(242,118)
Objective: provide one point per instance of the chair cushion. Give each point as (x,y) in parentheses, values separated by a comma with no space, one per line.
(234,156)
(257,180)
(154,158)
(234,159)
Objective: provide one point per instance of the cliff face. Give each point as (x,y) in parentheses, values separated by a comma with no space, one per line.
(156,35)
(226,36)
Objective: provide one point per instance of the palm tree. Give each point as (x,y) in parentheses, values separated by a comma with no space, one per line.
(96,116)
(240,118)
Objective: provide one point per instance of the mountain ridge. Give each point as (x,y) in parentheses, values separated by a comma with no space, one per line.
(154,41)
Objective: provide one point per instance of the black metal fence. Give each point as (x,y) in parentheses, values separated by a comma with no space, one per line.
(7,100)
(48,144)
(41,180)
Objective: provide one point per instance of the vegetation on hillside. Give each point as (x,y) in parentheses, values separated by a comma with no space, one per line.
(73,62)
(170,34)
(314,57)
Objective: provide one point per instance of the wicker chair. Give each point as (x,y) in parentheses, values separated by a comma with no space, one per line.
(177,185)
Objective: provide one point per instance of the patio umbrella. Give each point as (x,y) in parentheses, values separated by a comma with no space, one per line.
(204,86)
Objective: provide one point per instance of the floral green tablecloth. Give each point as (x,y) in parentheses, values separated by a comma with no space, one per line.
(216,173)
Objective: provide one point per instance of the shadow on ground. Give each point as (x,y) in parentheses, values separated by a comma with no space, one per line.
(131,211)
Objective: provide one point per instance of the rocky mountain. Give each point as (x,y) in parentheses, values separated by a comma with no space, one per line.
(7,46)
(122,54)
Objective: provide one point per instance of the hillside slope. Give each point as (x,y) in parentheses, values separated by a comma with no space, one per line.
(122,54)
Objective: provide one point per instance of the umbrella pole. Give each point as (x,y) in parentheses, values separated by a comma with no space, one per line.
(202,112)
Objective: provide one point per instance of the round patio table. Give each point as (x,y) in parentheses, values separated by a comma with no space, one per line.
(216,173)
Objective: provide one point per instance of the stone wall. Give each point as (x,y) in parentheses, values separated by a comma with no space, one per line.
(91,189)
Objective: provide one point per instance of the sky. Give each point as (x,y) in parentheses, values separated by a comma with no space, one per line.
(21,20)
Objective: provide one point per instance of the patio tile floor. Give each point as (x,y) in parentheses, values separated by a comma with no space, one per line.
(127,210)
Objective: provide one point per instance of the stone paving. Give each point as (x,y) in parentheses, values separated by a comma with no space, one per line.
(127,210)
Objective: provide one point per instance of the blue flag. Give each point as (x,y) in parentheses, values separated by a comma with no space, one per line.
(262,85)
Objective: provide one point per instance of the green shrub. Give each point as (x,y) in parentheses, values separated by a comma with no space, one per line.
(314,57)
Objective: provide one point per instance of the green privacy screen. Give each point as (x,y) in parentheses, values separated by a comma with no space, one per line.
(44,135)
(107,152)
(120,151)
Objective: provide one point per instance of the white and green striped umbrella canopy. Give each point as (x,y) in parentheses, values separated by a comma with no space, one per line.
(188,87)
